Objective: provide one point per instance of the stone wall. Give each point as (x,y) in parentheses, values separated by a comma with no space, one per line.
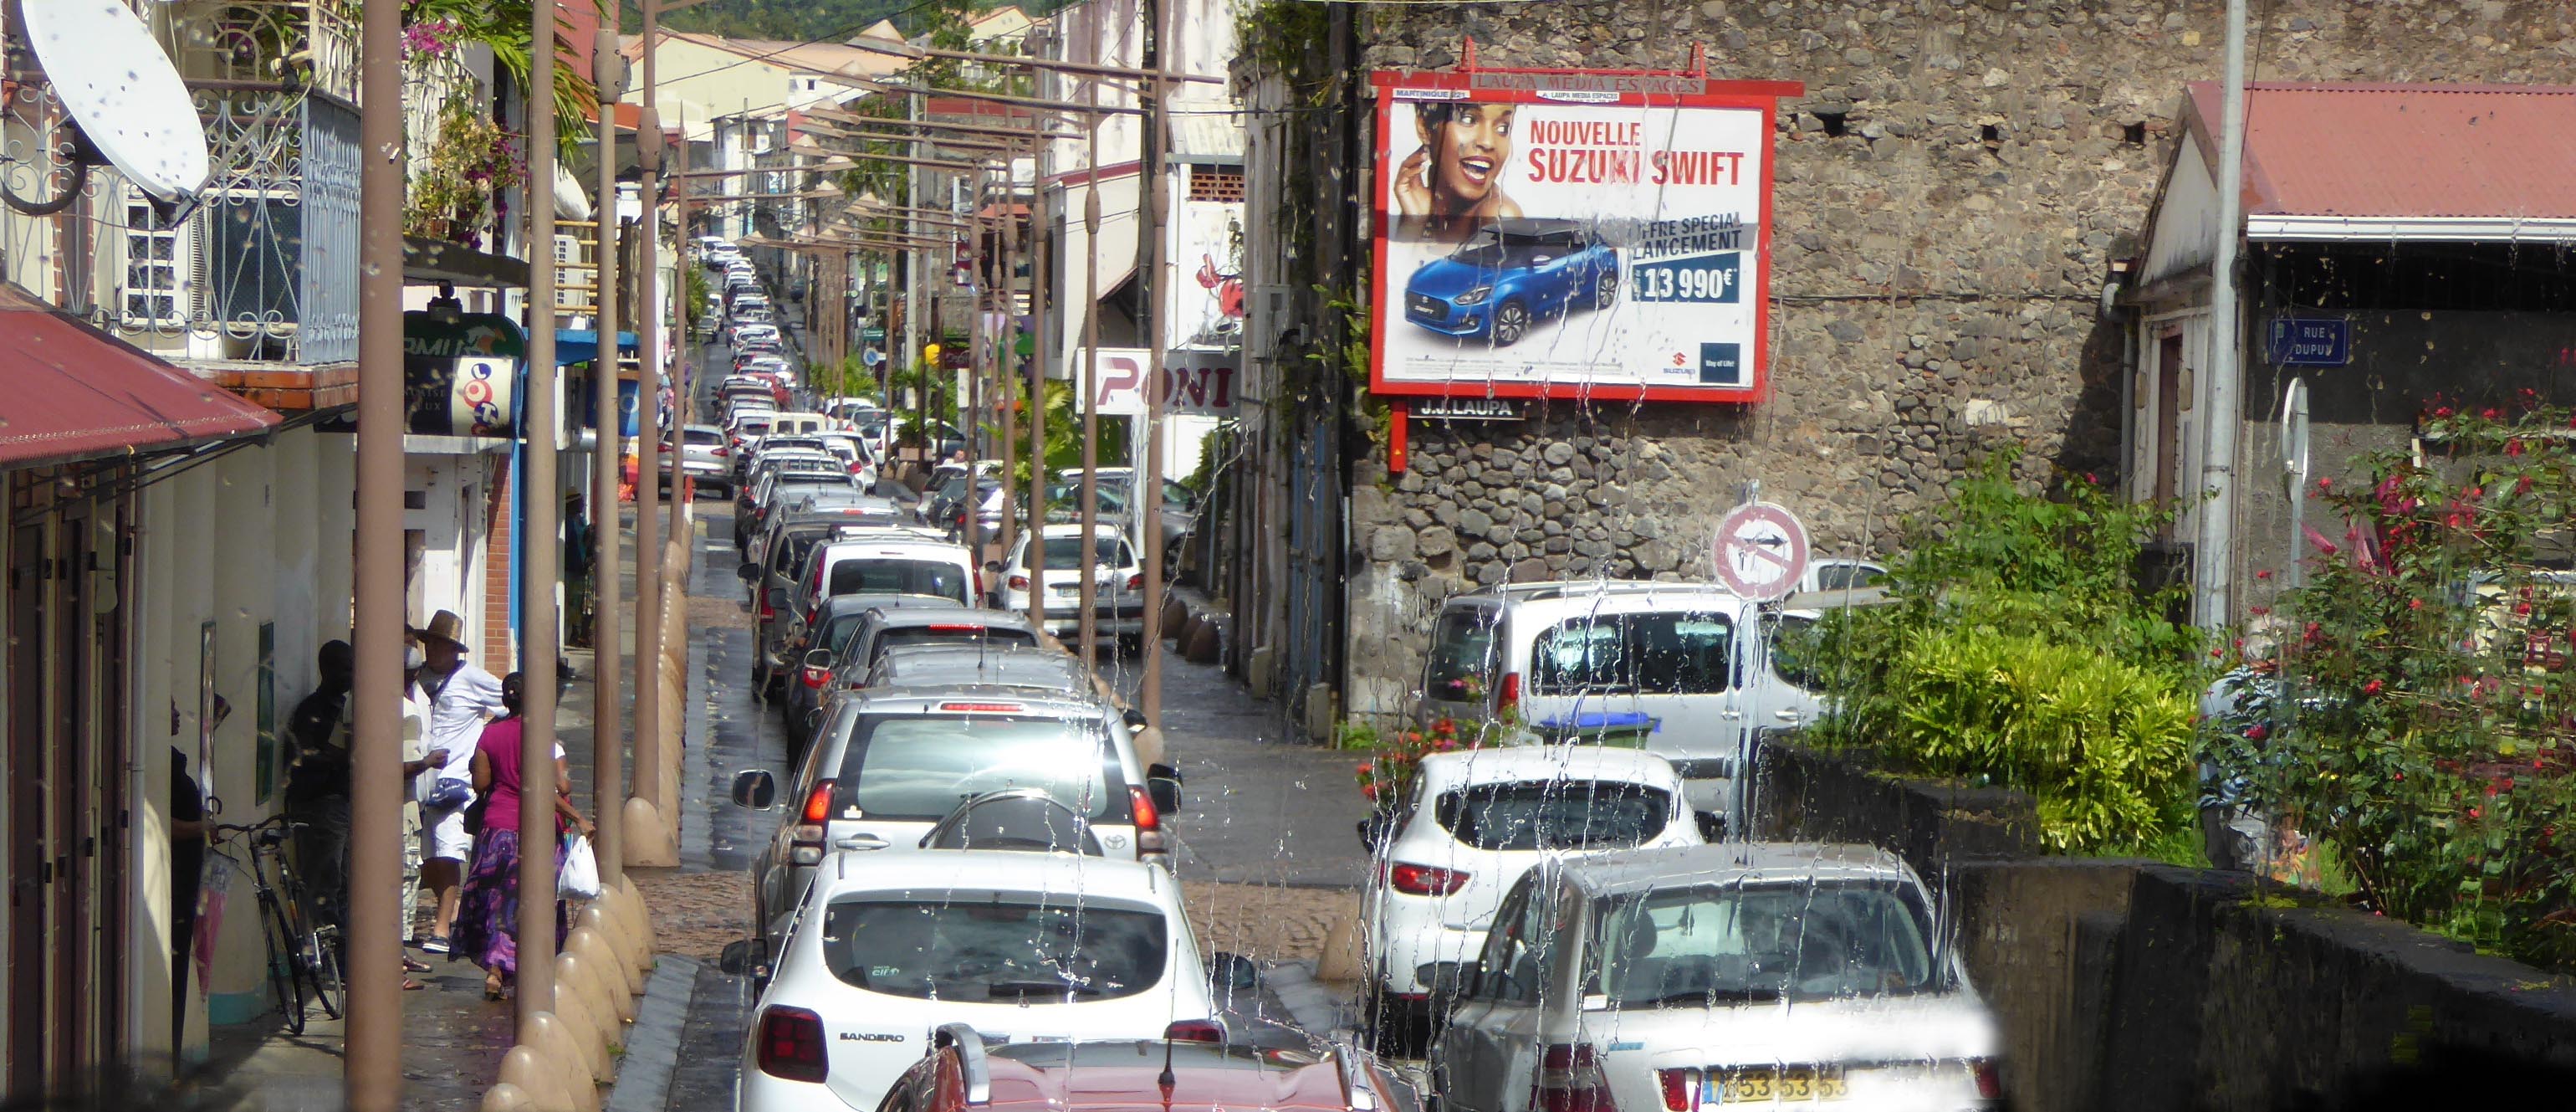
(1949,197)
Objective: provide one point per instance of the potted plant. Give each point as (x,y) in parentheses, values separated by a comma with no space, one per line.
(472,162)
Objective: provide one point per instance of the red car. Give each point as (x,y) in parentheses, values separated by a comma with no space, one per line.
(961,1074)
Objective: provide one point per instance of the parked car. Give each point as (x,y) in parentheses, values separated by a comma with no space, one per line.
(1692,976)
(889,946)
(886,766)
(1236,1075)
(1687,671)
(1510,276)
(1112,565)
(1474,822)
(887,561)
(813,652)
(1179,512)
(981,664)
(1842,574)
(700,453)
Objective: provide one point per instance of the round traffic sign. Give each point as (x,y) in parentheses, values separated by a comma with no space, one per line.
(1760,551)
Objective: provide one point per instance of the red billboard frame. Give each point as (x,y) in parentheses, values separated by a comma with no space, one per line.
(1762,96)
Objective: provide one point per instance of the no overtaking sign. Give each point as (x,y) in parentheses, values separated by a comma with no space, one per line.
(1760,551)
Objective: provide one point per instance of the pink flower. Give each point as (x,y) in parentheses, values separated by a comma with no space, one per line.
(2372,688)
(2257,732)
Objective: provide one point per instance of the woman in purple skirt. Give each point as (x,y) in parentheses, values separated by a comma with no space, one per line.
(487,926)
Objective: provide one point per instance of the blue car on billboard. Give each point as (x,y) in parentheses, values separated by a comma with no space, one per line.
(1512,274)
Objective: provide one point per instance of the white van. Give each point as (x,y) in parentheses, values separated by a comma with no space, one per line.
(798,424)
(1683,670)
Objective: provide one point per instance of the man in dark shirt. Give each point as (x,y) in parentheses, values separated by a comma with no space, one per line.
(187,869)
(317,779)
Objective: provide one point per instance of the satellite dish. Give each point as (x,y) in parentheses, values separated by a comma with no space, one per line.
(122,92)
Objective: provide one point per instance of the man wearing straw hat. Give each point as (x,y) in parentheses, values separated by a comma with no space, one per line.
(460,697)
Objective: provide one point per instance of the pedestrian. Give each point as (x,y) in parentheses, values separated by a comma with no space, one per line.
(188,827)
(461,698)
(488,931)
(317,780)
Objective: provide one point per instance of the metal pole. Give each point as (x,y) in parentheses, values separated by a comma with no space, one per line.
(371,1075)
(973,412)
(1091,376)
(648,460)
(607,739)
(648,673)
(1010,263)
(1145,504)
(1037,412)
(2213,566)
(539,632)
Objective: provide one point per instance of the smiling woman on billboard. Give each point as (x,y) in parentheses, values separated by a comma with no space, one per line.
(1453,183)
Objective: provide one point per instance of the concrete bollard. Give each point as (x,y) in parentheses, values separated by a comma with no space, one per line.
(581,1023)
(1204,642)
(560,1049)
(600,936)
(643,916)
(506,1097)
(595,986)
(1175,614)
(617,925)
(610,988)
(647,839)
(527,1070)
(1341,961)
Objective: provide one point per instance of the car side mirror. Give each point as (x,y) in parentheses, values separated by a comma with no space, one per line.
(992,565)
(777,598)
(1165,791)
(747,572)
(744,958)
(755,788)
(1451,981)
(1233,972)
(818,658)
(1135,719)
(1376,829)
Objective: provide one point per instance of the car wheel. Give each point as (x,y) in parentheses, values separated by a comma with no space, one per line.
(1605,289)
(1511,322)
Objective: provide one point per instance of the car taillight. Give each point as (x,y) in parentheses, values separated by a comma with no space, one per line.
(1990,1078)
(987,708)
(1195,1030)
(1679,1094)
(956,627)
(1149,822)
(1423,880)
(1136,582)
(815,678)
(1019,582)
(806,848)
(1511,694)
(723,452)
(1569,1080)
(791,1044)
(767,611)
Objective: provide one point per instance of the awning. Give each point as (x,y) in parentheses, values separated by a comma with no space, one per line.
(76,392)
(581,345)
(427,260)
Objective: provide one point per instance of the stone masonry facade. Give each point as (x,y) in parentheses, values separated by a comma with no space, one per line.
(1950,195)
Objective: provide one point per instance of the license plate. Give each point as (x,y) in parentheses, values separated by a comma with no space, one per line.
(1795,1083)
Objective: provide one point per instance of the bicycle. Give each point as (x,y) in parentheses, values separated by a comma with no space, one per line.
(303,947)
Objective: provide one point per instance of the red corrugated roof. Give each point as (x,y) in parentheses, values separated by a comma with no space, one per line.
(73,391)
(2402,150)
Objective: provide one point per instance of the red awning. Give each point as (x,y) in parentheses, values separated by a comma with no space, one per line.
(2397,151)
(69,391)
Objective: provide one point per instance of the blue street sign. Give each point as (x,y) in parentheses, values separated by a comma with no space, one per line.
(2309,342)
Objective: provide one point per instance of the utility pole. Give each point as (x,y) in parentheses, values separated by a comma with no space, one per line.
(371,1068)
(1037,395)
(2214,564)
(972,413)
(539,632)
(649,534)
(1008,266)
(607,740)
(1145,507)
(1091,377)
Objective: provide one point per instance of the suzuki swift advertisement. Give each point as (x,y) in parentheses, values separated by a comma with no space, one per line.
(1567,239)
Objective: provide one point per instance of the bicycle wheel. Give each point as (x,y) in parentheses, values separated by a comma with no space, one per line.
(322,964)
(282,963)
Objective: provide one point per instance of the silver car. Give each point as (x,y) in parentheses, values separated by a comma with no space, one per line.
(1711,975)
(704,455)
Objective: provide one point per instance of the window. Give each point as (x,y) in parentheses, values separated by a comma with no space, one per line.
(1644,654)
(151,289)
(898,577)
(1793,645)
(1517,956)
(1798,941)
(1216,183)
(1006,948)
(1067,552)
(919,768)
(1554,815)
(1462,657)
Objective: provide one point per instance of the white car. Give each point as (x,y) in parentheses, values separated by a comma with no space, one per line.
(1116,573)
(1695,976)
(1028,947)
(1477,820)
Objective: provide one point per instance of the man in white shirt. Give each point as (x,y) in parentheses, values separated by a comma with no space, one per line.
(461,699)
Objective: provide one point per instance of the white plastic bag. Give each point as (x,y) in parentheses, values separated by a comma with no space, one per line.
(579,877)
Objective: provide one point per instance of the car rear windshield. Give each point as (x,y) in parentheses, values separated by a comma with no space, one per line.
(920,767)
(958,634)
(886,575)
(1692,947)
(1002,948)
(1462,656)
(1067,552)
(1554,814)
(705,436)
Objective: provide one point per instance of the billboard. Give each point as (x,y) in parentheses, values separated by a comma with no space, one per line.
(1606,242)
(460,376)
